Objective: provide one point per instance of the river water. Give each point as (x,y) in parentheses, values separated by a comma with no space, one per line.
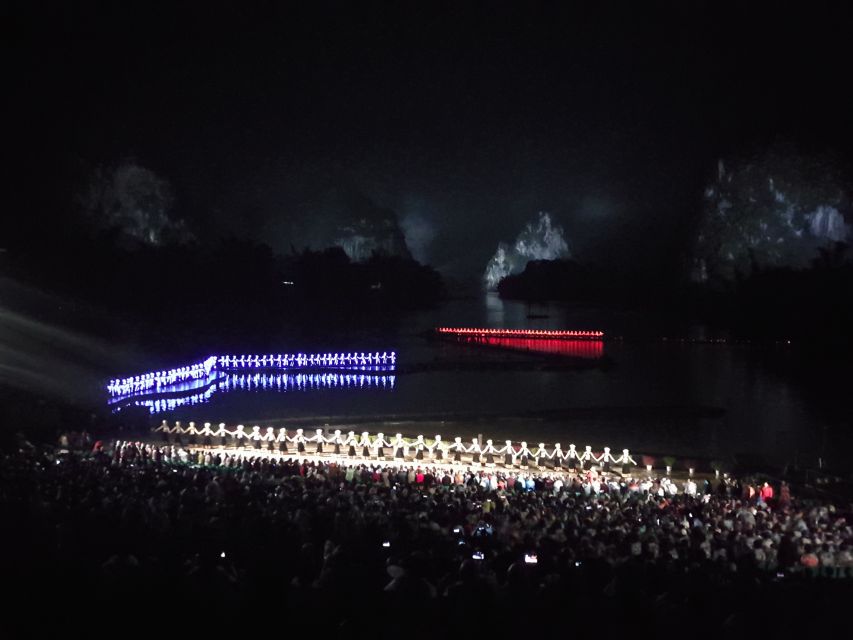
(692,398)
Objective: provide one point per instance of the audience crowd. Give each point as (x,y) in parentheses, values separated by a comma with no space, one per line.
(359,546)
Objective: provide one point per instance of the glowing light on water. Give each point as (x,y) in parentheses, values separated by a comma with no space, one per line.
(161,379)
(195,383)
(199,371)
(262,382)
(591,349)
(578,344)
(309,360)
(523,333)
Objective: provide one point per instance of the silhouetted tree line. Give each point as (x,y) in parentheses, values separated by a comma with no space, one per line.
(573,281)
(230,292)
(327,281)
(807,305)
(813,304)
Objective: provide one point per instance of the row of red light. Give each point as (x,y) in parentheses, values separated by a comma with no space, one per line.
(525,333)
(579,348)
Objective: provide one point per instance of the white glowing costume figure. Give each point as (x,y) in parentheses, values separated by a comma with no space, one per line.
(337,441)
(177,432)
(510,454)
(419,448)
(475,451)
(400,447)
(281,440)
(437,449)
(240,436)
(525,454)
(572,456)
(379,445)
(457,447)
(489,453)
(540,455)
(221,433)
(207,433)
(269,438)
(586,456)
(319,439)
(626,458)
(191,430)
(256,437)
(299,440)
(605,459)
(364,443)
(557,456)
(352,443)
(163,428)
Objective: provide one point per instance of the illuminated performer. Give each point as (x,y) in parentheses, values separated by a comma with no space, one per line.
(222,434)
(178,434)
(457,448)
(365,445)
(476,451)
(572,457)
(419,448)
(379,445)
(270,439)
(164,429)
(626,458)
(192,432)
(281,440)
(437,452)
(509,454)
(207,435)
(240,436)
(540,455)
(351,444)
(558,456)
(318,437)
(338,442)
(255,437)
(605,460)
(489,451)
(525,455)
(399,447)
(299,439)
(587,456)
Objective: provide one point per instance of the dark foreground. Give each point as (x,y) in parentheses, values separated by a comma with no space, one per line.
(141,540)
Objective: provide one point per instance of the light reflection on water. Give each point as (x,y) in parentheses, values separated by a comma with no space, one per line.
(590,349)
(273,383)
(689,399)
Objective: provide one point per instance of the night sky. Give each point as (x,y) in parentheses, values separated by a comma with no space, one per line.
(467,120)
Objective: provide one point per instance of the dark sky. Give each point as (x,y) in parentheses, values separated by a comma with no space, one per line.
(470,116)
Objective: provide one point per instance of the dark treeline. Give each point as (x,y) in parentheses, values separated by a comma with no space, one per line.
(229,292)
(809,305)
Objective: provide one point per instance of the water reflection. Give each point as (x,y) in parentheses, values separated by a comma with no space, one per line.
(258,382)
(166,381)
(194,384)
(591,349)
